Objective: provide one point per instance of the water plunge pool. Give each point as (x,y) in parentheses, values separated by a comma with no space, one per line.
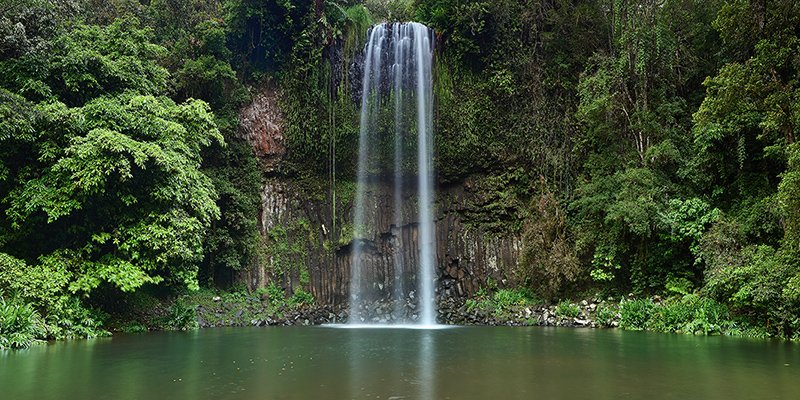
(456,363)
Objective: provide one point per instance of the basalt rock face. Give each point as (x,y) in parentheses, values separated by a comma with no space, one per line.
(309,238)
(307,247)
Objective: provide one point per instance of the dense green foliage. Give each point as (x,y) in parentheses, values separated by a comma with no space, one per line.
(664,133)
(501,302)
(115,175)
(634,146)
(689,313)
(20,324)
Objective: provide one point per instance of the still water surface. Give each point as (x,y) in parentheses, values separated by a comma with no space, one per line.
(456,363)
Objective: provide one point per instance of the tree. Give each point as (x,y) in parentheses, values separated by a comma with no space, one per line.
(103,172)
(746,133)
(635,103)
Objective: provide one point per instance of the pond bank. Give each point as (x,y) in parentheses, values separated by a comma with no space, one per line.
(689,314)
(252,310)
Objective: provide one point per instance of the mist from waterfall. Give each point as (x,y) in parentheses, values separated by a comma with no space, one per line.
(397,78)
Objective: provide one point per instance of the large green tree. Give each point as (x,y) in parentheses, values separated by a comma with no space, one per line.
(101,178)
(636,100)
(746,133)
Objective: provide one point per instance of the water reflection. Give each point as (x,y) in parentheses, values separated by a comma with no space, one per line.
(462,363)
(425,357)
(355,363)
(391,363)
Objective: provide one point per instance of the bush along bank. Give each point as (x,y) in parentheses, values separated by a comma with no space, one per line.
(687,314)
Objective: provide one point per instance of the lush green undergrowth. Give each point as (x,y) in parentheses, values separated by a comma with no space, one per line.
(216,308)
(210,307)
(687,313)
(25,322)
(690,314)
(502,302)
(22,324)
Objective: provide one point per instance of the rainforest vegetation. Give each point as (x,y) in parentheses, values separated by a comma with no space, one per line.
(644,147)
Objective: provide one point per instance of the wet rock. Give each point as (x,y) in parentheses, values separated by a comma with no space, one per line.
(452,311)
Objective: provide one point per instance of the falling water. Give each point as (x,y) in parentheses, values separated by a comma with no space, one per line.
(400,45)
(397,66)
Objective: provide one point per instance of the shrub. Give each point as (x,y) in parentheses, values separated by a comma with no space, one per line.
(501,301)
(606,314)
(681,286)
(20,324)
(471,305)
(759,283)
(635,314)
(509,298)
(687,314)
(567,310)
(709,317)
(181,316)
(275,293)
(691,314)
(548,257)
(671,316)
(44,287)
(300,298)
(134,327)
(69,319)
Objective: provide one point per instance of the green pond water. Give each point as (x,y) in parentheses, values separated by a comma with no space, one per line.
(455,363)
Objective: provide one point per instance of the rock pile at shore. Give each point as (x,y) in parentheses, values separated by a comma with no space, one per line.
(586,313)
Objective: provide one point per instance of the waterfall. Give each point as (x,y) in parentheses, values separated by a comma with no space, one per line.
(397,79)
